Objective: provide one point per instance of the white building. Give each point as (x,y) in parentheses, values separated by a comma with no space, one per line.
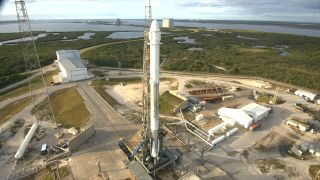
(71,66)
(238,116)
(167,23)
(306,95)
(256,111)
(68,54)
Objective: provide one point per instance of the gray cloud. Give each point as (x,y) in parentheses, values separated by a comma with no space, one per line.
(302,9)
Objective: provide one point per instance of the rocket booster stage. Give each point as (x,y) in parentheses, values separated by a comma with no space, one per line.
(154,38)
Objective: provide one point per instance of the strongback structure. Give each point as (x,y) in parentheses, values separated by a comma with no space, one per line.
(43,110)
(153,155)
(145,131)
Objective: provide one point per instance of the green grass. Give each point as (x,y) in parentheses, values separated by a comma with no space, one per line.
(101,91)
(168,103)
(11,79)
(266,165)
(253,50)
(69,108)
(36,83)
(267,98)
(13,108)
(199,84)
(51,174)
(98,73)
(63,171)
(314,170)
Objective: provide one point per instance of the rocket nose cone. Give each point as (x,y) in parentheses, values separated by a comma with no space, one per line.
(154,26)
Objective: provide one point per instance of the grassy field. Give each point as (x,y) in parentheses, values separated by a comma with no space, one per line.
(23,89)
(13,108)
(168,103)
(48,174)
(69,108)
(314,171)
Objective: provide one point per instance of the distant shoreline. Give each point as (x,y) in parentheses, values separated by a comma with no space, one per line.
(305,29)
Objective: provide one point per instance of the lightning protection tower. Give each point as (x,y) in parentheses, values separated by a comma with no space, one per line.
(37,86)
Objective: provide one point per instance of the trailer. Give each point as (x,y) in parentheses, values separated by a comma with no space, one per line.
(213,99)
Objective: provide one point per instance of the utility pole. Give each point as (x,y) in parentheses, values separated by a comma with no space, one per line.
(275,96)
(32,62)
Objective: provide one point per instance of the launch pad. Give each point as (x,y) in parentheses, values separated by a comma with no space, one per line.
(151,154)
(141,167)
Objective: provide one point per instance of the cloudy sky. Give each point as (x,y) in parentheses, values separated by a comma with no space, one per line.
(274,10)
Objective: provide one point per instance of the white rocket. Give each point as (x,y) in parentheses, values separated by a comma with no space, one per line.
(154,38)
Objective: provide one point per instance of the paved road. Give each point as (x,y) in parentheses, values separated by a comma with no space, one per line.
(103,146)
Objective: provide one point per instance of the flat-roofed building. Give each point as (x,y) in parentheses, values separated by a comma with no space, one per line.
(238,116)
(256,111)
(68,54)
(71,67)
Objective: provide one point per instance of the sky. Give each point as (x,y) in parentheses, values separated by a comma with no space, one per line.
(268,10)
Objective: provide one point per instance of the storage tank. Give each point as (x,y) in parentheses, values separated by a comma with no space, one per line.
(219,139)
(26,141)
(217,128)
(232,132)
(199,117)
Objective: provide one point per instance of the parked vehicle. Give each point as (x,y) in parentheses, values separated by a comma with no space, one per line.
(255,126)
(44,149)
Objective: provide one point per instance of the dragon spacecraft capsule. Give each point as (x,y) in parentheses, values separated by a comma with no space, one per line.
(154,38)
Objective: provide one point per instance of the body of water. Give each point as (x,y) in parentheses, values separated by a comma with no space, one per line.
(15,41)
(68,27)
(125,35)
(221,26)
(85,36)
(136,25)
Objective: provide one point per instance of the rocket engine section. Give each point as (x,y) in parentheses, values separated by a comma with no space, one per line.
(155,38)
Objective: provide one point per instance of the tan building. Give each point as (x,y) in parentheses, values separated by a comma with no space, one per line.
(167,23)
